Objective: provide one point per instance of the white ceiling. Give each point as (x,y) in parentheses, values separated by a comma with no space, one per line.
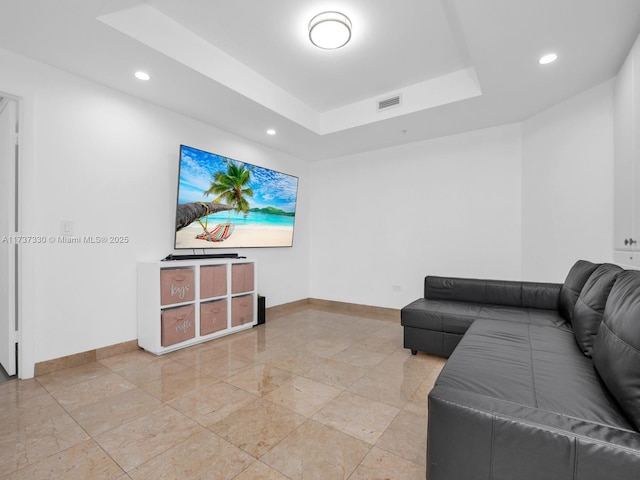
(275,44)
(247,65)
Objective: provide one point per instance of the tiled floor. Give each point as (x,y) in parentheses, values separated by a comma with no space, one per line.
(4,377)
(310,395)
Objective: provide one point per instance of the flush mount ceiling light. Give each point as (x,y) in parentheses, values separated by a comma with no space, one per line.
(330,30)
(140,75)
(549,58)
(271,131)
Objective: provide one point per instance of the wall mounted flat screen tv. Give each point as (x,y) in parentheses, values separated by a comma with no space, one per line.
(226,203)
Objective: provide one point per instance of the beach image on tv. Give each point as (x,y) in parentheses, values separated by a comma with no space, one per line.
(225,203)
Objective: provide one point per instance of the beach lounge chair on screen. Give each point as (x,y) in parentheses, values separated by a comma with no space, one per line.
(220,233)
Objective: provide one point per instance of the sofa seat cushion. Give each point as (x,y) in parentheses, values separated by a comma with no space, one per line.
(534,366)
(521,401)
(473,436)
(452,316)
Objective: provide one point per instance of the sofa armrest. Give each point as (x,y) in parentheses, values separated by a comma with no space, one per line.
(496,292)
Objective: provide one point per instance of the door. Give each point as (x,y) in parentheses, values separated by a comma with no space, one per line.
(8,228)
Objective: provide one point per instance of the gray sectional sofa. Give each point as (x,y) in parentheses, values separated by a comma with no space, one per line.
(542,380)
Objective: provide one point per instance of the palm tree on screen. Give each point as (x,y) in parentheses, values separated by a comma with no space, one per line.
(232,187)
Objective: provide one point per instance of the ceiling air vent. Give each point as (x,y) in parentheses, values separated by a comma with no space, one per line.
(388,103)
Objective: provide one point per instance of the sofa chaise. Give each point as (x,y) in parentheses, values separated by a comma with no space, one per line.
(542,380)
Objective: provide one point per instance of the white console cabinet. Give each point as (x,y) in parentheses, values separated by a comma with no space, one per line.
(184,302)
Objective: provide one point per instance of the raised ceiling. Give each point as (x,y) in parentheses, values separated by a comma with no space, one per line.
(247,65)
(275,44)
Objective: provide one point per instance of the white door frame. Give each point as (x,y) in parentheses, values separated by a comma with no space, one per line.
(9,326)
(26,210)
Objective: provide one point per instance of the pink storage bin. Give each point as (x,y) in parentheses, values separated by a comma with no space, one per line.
(242,278)
(241,310)
(177,285)
(213,316)
(178,325)
(213,281)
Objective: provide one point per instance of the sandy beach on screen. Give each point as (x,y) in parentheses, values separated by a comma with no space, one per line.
(242,236)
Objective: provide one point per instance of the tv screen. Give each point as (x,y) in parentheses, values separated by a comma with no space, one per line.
(226,203)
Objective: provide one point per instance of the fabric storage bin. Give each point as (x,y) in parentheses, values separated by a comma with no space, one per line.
(241,310)
(178,325)
(213,316)
(177,285)
(242,278)
(213,281)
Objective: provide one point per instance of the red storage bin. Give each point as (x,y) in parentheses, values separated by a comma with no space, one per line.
(178,325)
(177,285)
(241,310)
(213,281)
(242,278)
(213,316)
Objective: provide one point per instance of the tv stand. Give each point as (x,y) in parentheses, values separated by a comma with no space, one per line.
(184,303)
(200,256)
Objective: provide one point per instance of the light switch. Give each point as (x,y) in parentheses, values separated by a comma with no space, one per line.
(66,227)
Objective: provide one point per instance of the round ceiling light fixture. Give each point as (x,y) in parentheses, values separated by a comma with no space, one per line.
(330,30)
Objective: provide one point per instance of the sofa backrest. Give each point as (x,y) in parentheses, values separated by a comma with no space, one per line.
(589,308)
(616,350)
(572,286)
(498,292)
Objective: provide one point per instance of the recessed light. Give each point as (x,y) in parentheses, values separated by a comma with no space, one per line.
(140,75)
(271,131)
(549,58)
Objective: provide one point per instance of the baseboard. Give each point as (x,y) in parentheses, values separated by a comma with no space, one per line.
(286,308)
(48,366)
(380,313)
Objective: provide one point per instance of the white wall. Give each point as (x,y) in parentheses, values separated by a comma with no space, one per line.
(517,201)
(108,163)
(567,185)
(386,218)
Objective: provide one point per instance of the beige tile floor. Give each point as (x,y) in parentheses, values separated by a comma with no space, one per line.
(310,395)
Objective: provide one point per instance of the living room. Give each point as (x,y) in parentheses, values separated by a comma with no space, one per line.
(516,200)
